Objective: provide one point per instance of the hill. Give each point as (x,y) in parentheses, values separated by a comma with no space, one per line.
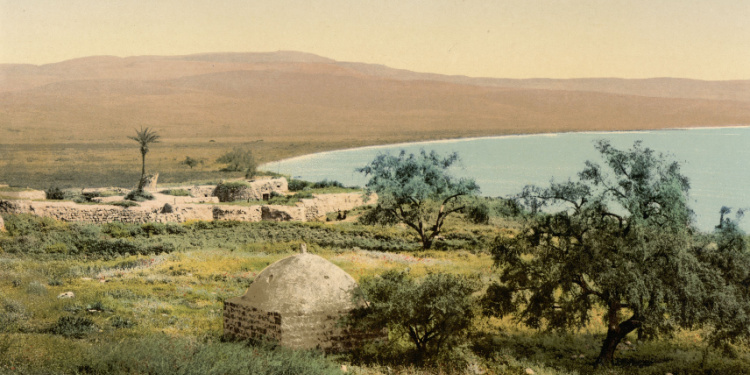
(297,103)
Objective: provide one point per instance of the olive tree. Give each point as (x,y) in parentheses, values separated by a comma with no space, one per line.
(617,239)
(434,312)
(417,190)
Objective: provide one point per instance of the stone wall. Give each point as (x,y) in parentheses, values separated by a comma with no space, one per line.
(255,190)
(98,214)
(317,208)
(315,330)
(249,323)
(307,210)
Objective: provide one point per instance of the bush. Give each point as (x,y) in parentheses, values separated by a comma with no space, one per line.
(176,192)
(55,193)
(298,185)
(126,204)
(434,312)
(36,288)
(120,230)
(73,327)
(154,228)
(327,184)
(478,213)
(239,160)
(139,196)
(120,322)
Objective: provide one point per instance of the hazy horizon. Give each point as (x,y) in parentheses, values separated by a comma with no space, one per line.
(509,39)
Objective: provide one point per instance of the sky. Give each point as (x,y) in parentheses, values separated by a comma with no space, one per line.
(699,39)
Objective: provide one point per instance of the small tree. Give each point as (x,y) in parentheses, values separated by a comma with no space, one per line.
(145,137)
(417,191)
(190,162)
(620,238)
(237,160)
(434,312)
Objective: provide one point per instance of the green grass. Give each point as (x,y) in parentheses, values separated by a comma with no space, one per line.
(162,313)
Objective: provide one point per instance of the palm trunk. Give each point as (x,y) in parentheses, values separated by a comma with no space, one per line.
(143,171)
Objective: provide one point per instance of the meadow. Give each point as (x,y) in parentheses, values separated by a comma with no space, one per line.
(148,300)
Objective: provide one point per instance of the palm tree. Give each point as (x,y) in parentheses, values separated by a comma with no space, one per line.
(144,137)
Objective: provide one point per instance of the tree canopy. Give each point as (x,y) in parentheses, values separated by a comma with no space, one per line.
(619,237)
(417,189)
(434,312)
(239,159)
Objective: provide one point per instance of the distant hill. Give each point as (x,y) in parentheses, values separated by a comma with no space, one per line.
(300,97)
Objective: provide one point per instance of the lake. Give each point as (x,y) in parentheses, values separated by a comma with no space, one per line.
(717,161)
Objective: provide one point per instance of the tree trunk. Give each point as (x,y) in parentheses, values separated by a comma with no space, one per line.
(615,334)
(143,171)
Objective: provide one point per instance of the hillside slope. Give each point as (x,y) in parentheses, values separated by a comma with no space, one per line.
(293,96)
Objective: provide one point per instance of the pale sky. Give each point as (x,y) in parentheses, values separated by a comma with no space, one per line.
(702,39)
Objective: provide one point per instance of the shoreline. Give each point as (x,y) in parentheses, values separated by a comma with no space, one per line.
(269,164)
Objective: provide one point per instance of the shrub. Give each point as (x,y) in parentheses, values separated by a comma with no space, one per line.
(298,185)
(237,160)
(139,196)
(120,322)
(154,228)
(55,193)
(303,195)
(327,184)
(36,288)
(478,213)
(120,230)
(125,204)
(434,312)
(176,192)
(73,326)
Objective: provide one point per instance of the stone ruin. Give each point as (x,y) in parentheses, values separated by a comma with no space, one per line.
(298,302)
(254,190)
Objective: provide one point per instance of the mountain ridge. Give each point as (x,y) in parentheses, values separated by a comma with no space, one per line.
(290,96)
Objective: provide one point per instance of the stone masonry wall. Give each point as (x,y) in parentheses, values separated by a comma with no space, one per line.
(249,323)
(317,208)
(307,210)
(69,211)
(321,330)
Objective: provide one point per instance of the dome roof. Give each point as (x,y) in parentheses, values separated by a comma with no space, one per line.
(303,283)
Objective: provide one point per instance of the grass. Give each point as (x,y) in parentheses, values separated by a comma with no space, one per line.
(162,313)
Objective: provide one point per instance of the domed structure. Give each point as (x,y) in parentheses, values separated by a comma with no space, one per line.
(297,301)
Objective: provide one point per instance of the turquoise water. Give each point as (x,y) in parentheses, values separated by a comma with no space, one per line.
(716,160)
